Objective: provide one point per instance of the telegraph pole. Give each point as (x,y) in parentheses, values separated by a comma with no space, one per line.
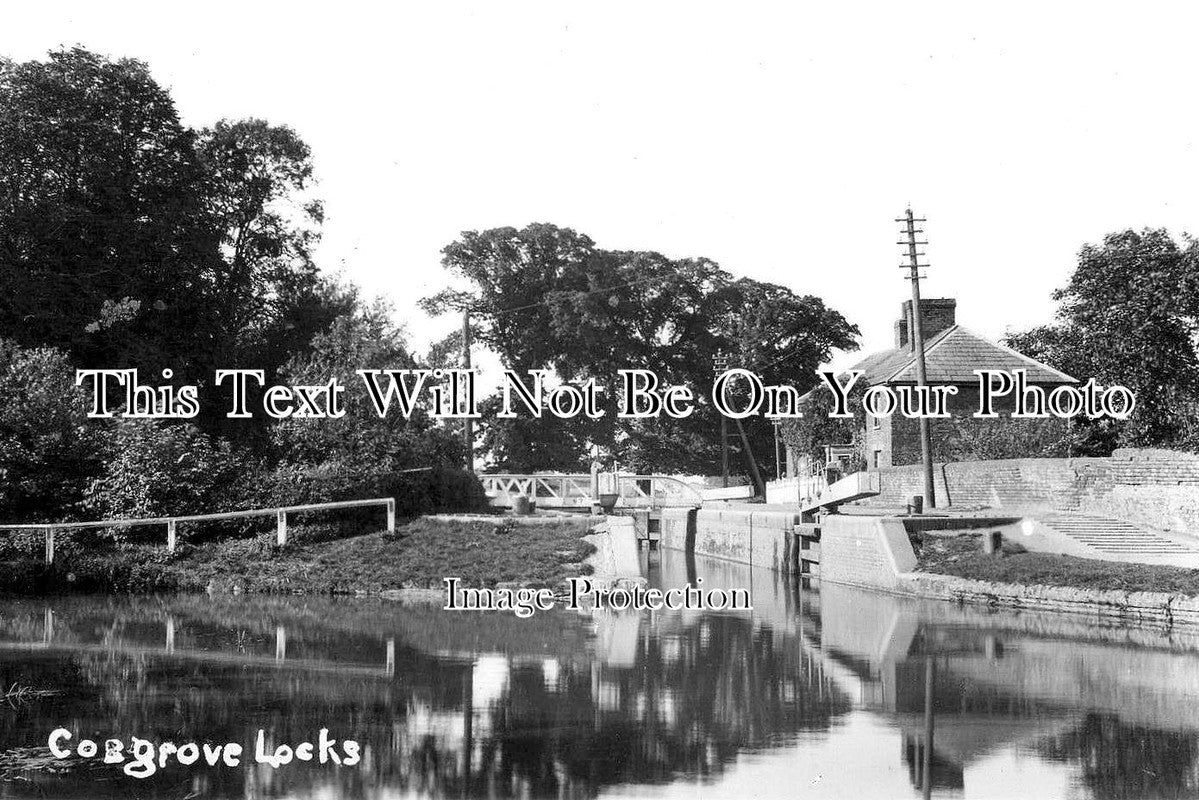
(721,364)
(468,428)
(926,445)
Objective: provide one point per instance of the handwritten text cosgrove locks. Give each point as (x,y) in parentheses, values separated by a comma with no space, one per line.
(141,758)
(453,394)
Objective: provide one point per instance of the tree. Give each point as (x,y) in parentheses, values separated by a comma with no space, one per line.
(809,434)
(1129,315)
(361,441)
(545,297)
(100,253)
(527,444)
(258,182)
(129,240)
(49,450)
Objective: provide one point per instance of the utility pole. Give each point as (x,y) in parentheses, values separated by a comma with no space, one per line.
(926,445)
(468,428)
(721,364)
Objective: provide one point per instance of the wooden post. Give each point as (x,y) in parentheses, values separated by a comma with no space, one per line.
(391,515)
(281,531)
(170,536)
(390,665)
(170,631)
(280,643)
(49,545)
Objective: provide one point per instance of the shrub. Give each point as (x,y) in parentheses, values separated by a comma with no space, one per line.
(987,440)
(49,450)
(441,489)
(438,490)
(158,469)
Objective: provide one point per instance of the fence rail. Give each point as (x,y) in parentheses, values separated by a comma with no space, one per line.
(279,513)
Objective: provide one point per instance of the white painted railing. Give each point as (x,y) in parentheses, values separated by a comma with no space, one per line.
(279,513)
(550,490)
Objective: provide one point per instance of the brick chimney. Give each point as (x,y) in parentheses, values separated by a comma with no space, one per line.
(936,314)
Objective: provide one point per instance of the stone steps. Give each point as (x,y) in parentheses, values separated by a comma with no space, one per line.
(1115,536)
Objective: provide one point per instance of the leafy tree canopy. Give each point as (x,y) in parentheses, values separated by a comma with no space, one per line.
(127,239)
(545,297)
(1129,315)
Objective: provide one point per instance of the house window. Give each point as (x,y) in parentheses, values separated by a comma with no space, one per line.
(878,423)
(878,458)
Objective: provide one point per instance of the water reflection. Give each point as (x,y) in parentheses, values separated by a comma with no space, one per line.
(822,691)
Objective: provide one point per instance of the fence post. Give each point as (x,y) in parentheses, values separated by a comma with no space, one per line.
(281,532)
(170,536)
(49,545)
(391,515)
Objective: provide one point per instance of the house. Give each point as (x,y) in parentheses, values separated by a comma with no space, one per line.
(952,353)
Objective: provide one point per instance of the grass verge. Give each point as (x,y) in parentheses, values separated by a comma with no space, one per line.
(419,555)
(962,556)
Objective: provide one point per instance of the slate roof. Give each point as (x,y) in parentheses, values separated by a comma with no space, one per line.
(951,357)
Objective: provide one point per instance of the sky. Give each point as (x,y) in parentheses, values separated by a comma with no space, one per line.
(779,139)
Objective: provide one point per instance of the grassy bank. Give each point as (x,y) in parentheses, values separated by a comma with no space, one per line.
(419,555)
(962,556)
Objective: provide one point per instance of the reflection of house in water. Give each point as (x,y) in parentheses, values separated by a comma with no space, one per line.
(487,705)
(444,705)
(1117,702)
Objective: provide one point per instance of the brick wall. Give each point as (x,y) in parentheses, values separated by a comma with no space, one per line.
(1159,488)
(936,314)
(947,434)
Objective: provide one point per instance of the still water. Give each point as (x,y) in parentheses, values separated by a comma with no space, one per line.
(821,691)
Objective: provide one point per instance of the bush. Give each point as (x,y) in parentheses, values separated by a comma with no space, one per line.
(439,490)
(415,493)
(49,450)
(156,469)
(988,440)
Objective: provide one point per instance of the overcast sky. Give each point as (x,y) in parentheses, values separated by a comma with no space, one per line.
(780,140)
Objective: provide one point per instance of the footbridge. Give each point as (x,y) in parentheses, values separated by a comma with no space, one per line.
(581,492)
(818,495)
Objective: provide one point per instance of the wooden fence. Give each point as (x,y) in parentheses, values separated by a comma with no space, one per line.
(280,515)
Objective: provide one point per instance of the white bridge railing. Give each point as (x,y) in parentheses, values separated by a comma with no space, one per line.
(549,490)
(280,515)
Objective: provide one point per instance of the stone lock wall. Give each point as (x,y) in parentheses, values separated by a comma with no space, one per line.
(865,551)
(1159,488)
(758,538)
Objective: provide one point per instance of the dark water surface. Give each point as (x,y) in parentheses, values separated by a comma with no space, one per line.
(822,691)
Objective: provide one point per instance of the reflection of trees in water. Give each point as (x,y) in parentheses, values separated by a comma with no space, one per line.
(690,703)
(694,698)
(1120,760)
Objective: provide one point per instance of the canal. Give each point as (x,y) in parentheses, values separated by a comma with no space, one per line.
(821,691)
